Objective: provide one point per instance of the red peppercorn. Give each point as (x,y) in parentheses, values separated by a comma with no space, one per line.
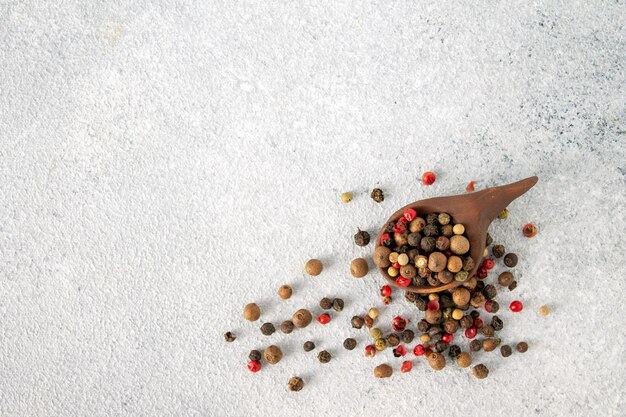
(488,305)
(478,322)
(402,281)
(385,291)
(470,332)
(470,186)
(409,214)
(406,366)
(370,351)
(447,337)
(399,351)
(399,228)
(516,306)
(428,178)
(402,221)
(324,318)
(489,263)
(447,252)
(396,265)
(529,230)
(385,239)
(433,305)
(398,324)
(254,366)
(482,273)
(419,350)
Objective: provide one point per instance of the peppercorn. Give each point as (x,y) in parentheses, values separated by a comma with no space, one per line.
(437,261)
(268,329)
(459,244)
(408,271)
(377,195)
(403,259)
(407,336)
(475,345)
(313,267)
(359,268)
(454,351)
(434,330)
(468,263)
(417,225)
(506,351)
(510,260)
(393,257)
(480,285)
(466,322)
(284,292)
(254,366)
(308,346)
(480,371)
(413,239)
(401,239)
(490,291)
(431,230)
(326,303)
(361,238)
(492,306)
(433,281)
(349,343)
(338,304)
(544,310)
(440,346)
(488,330)
(488,240)
(513,286)
(383,371)
(381,257)
(357,322)
(324,318)
(254,355)
(505,279)
(286,326)
(478,299)
(229,337)
(433,316)
(474,314)
(464,359)
(529,230)
(369,322)
(392,272)
(455,264)
(447,230)
(497,323)
(470,283)
(380,344)
(436,361)
(302,318)
(445,277)
(251,312)
(498,251)
(295,384)
(273,354)
(373,313)
(522,347)
(450,326)
(346,197)
(442,243)
(425,338)
(443,218)
(503,214)
(461,296)
(423,325)
(393,340)
(376,333)
(490,344)
(324,356)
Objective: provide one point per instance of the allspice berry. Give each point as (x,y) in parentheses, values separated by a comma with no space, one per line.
(273,354)
(408,271)
(510,260)
(268,329)
(362,238)
(313,267)
(417,225)
(437,261)
(464,360)
(286,326)
(490,344)
(381,257)
(359,268)
(383,371)
(357,322)
(436,361)
(433,317)
(480,371)
(251,312)
(459,244)
(295,384)
(326,303)
(301,318)
(522,347)
(324,356)
(461,296)
(455,264)
(505,279)
(284,292)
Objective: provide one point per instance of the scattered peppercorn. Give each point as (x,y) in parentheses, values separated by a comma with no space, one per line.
(440,346)
(380,344)
(268,329)
(513,286)
(383,371)
(251,312)
(510,260)
(490,344)
(516,306)
(497,323)
(229,337)
(357,322)
(436,361)
(503,214)
(361,238)
(505,279)
(273,354)
(488,330)
(338,304)
(373,313)
(505,351)
(302,318)
(346,197)
(286,326)
(454,351)
(254,355)
(313,267)
(254,366)
(326,303)
(359,268)
(498,251)
(466,322)
(308,346)
(529,230)
(480,371)
(376,333)
(324,318)
(464,359)
(349,343)
(423,325)
(381,257)
(377,195)
(544,310)
(408,336)
(324,356)
(522,347)
(284,292)
(490,291)
(295,384)
(470,186)
(369,322)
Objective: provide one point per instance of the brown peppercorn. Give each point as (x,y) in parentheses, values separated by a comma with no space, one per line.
(423,325)
(273,354)
(393,340)
(455,264)
(450,326)
(505,279)
(522,347)
(349,343)
(359,268)
(408,271)
(437,261)
(510,260)
(229,337)
(497,323)
(431,231)
(284,292)
(377,195)
(408,336)
(427,244)
(313,267)
(421,304)
(490,344)
(401,239)
(268,329)
(308,346)
(295,384)
(464,360)
(488,330)
(447,230)
(251,312)
(302,318)
(480,371)
(466,322)
(459,244)
(506,351)
(286,326)
(513,286)
(383,371)
(255,355)
(436,361)
(445,277)
(490,293)
(442,243)
(357,322)
(326,303)
(498,251)
(478,299)
(369,322)
(338,304)
(433,317)
(475,345)
(424,272)
(361,238)
(381,257)
(461,296)
(324,356)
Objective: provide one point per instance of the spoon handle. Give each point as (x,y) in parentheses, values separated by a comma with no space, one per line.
(491,201)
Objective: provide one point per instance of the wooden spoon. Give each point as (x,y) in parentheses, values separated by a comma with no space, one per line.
(474,210)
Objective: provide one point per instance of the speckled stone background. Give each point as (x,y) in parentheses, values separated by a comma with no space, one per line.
(164,163)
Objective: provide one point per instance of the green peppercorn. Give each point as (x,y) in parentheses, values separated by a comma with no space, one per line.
(377,195)
(461,276)
(376,333)
(380,344)
(443,218)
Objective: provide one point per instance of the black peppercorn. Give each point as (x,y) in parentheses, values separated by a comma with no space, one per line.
(498,251)
(490,292)
(488,240)
(324,356)
(326,303)
(423,325)
(427,244)
(433,281)
(510,260)
(295,384)
(389,228)
(268,329)
(407,336)
(450,326)
(362,238)
(431,231)
(476,345)
(513,286)
(454,351)
(445,301)
(357,322)
(506,351)
(393,340)
(442,243)
(432,218)
(496,323)
(338,304)
(229,337)
(411,297)
(349,343)
(480,285)
(403,249)
(468,264)
(308,346)
(286,326)
(440,346)
(466,322)
(254,355)
(522,347)
(475,314)
(414,239)
(492,306)
(418,282)
(488,330)
(434,330)
(377,195)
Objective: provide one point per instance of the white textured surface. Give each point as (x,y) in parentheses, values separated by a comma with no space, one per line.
(163,165)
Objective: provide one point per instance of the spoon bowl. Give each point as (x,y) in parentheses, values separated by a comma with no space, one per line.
(474,210)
